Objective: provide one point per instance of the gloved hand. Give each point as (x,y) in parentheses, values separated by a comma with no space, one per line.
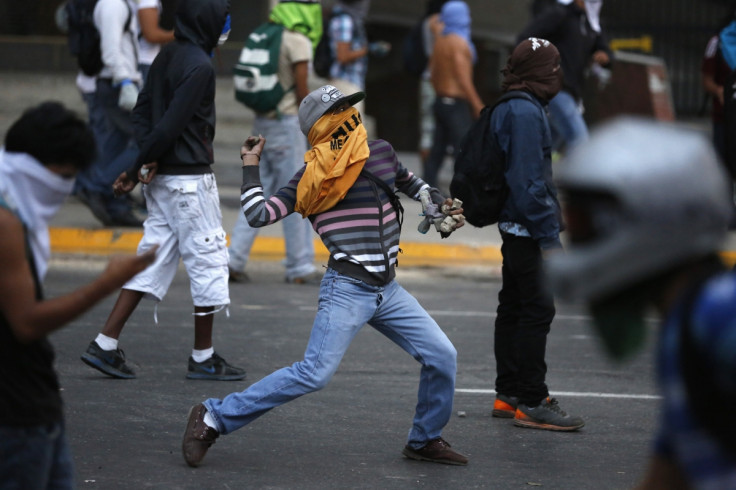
(379,48)
(440,217)
(128,95)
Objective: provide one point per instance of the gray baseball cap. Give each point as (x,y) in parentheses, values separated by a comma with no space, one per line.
(320,101)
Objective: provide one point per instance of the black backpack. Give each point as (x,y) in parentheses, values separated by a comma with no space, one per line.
(478,179)
(323,58)
(84,38)
(415,58)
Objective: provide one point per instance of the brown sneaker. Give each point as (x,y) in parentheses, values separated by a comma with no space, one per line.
(198,436)
(436,451)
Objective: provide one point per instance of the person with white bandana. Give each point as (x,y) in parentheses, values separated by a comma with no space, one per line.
(43,152)
(573,26)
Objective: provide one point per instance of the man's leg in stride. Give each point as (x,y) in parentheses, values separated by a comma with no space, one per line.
(126,304)
(203,327)
(103,353)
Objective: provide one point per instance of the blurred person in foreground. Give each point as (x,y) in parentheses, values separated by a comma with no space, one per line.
(43,152)
(647,206)
(345,189)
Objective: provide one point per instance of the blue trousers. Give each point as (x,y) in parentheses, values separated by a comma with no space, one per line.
(345,305)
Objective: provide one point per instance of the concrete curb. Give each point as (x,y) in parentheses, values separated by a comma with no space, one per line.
(415,254)
(111,241)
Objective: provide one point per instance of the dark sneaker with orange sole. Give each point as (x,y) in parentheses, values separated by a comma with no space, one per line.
(436,451)
(505,406)
(198,436)
(547,416)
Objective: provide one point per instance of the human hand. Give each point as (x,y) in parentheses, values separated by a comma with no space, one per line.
(128,95)
(452,209)
(250,151)
(446,217)
(379,48)
(121,268)
(147,172)
(719,94)
(123,185)
(601,57)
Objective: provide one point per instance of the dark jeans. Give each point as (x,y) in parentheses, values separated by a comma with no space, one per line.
(453,119)
(116,147)
(524,314)
(35,458)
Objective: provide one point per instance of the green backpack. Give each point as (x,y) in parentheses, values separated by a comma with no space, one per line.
(256,77)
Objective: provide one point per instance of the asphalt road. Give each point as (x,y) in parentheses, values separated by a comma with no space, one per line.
(126,434)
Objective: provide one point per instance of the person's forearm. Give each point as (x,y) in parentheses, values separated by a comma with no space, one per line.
(710,85)
(345,53)
(50,315)
(150,30)
(301,76)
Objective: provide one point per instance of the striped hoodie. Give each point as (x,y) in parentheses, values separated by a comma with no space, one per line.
(362,231)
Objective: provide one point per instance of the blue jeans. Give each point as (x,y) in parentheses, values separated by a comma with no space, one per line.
(282,157)
(345,305)
(35,458)
(568,125)
(96,118)
(117,150)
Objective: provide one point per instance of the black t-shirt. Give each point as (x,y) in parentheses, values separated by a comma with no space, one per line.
(29,387)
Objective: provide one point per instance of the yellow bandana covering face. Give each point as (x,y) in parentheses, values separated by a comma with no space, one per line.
(339,151)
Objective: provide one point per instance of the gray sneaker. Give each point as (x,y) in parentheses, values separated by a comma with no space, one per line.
(547,416)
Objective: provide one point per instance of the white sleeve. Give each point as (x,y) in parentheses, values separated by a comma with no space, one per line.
(110,17)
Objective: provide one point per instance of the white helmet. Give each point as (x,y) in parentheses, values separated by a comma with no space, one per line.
(640,197)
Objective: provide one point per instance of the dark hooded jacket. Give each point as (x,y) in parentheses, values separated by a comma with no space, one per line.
(174,118)
(567,27)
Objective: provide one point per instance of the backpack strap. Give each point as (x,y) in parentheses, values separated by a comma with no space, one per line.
(513,94)
(392,197)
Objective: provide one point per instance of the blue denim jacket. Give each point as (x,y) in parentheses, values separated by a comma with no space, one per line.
(521,132)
